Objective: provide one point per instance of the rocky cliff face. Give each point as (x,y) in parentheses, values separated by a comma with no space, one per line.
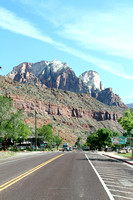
(92,80)
(108,97)
(71,114)
(59,75)
(22,74)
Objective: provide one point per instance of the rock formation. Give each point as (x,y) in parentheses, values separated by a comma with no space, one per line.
(59,75)
(108,97)
(92,80)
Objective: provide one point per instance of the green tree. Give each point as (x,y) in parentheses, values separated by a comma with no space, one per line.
(46,131)
(101,138)
(127,121)
(12,125)
(93,141)
(57,141)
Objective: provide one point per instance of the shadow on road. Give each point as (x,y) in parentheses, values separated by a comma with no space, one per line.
(100,159)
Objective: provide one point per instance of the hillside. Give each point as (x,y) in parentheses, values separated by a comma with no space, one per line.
(71,114)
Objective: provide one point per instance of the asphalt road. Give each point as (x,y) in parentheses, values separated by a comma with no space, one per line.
(117,175)
(54,176)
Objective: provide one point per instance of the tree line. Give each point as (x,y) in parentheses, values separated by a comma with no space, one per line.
(102,137)
(13,128)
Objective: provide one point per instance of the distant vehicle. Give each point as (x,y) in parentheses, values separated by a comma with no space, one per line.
(75,147)
(65,147)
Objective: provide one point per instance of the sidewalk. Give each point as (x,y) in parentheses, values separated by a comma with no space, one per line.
(114,155)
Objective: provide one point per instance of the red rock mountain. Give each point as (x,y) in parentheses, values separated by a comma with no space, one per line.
(59,75)
(71,114)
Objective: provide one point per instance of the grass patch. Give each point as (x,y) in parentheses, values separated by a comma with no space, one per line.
(125,154)
(6,154)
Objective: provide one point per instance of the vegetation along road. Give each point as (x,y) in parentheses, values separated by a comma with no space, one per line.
(72,175)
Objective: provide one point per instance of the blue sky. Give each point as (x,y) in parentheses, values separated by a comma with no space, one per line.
(86,34)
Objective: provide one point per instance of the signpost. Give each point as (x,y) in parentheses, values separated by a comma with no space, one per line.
(119,140)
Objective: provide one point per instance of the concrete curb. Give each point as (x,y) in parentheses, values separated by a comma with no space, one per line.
(119,159)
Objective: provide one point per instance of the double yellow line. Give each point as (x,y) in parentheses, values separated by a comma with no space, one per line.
(18,178)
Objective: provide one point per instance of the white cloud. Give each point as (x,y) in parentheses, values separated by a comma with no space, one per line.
(12,22)
(53,10)
(107,32)
(105,65)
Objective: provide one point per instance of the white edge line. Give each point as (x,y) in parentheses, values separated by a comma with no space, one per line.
(102,182)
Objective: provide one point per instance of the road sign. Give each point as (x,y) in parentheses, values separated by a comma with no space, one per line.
(115,140)
(122,140)
(119,140)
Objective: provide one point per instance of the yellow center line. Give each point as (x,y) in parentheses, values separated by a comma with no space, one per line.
(18,178)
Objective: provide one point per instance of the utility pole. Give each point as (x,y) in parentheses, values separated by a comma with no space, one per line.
(35,130)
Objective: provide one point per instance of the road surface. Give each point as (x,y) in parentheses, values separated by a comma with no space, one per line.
(73,175)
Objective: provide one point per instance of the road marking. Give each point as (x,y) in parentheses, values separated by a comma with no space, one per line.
(18,178)
(102,182)
(106,178)
(126,182)
(121,191)
(119,187)
(112,182)
(112,176)
(123,197)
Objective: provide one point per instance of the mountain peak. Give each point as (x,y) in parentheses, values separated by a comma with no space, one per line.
(92,79)
(59,75)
